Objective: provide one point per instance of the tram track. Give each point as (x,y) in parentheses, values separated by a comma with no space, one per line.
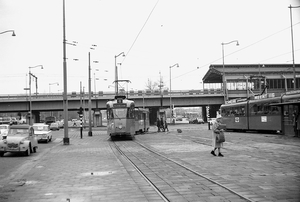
(170,178)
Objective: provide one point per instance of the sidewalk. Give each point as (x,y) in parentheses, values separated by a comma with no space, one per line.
(85,170)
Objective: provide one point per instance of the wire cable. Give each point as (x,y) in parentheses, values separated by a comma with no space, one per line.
(241,50)
(127,53)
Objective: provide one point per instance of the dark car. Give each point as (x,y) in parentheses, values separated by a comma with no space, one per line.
(196,121)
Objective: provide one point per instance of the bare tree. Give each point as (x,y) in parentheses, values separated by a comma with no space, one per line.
(151,85)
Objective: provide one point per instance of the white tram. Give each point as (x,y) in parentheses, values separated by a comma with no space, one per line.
(124,120)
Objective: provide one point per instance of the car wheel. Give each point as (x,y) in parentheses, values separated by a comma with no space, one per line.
(1,154)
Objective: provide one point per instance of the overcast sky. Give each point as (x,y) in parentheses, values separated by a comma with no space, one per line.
(154,34)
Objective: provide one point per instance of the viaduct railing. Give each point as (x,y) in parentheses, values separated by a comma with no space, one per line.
(112,94)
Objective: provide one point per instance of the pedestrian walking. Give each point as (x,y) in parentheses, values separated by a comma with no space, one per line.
(166,126)
(215,132)
(295,121)
(298,125)
(158,124)
(162,124)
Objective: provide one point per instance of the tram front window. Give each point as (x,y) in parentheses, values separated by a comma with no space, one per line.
(120,113)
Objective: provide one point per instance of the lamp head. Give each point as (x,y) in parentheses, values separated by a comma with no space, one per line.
(237,43)
(13,34)
(123,55)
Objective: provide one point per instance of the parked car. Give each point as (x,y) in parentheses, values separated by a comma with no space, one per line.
(43,132)
(196,121)
(20,138)
(60,123)
(54,126)
(3,130)
(179,118)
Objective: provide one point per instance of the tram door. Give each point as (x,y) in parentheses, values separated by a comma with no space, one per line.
(288,119)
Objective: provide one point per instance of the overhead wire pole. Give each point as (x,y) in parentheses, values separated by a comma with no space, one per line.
(116,73)
(171,110)
(294,71)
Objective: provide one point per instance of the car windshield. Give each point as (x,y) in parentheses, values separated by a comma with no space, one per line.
(40,128)
(18,132)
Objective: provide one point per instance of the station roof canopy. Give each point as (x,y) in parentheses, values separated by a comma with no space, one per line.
(215,72)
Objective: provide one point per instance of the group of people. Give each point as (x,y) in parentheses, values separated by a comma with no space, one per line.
(161,125)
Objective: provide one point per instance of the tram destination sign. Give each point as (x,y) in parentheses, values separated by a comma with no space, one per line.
(120,105)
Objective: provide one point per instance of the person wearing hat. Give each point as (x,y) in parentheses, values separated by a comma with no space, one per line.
(215,131)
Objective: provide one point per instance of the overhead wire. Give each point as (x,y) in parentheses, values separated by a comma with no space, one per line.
(127,53)
(241,50)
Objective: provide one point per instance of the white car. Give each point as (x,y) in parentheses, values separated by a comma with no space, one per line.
(3,130)
(20,138)
(42,132)
(54,126)
(211,121)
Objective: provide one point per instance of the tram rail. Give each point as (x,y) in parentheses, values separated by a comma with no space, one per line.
(134,159)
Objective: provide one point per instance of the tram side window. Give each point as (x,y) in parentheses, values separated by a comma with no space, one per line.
(264,109)
(233,111)
(110,114)
(130,113)
(136,115)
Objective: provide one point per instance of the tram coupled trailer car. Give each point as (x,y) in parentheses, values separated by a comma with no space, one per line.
(255,114)
(142,122)
(120,118)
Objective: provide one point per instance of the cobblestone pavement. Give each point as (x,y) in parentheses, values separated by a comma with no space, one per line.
(262,167)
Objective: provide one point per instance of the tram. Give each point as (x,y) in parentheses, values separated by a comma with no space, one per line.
(256,114)
(124,120)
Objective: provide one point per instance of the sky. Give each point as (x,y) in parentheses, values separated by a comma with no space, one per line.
(153,34)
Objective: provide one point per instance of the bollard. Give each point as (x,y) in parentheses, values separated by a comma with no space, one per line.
(208,125)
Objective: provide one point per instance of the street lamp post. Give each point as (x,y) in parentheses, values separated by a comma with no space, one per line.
(30,102)
(224,79)
(116,72)
(95,79)
(52,84)
(13,32)
(90,133)
(65,97)
(294,71)
(171,110)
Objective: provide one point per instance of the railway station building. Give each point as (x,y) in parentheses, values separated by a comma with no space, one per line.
(246,80)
